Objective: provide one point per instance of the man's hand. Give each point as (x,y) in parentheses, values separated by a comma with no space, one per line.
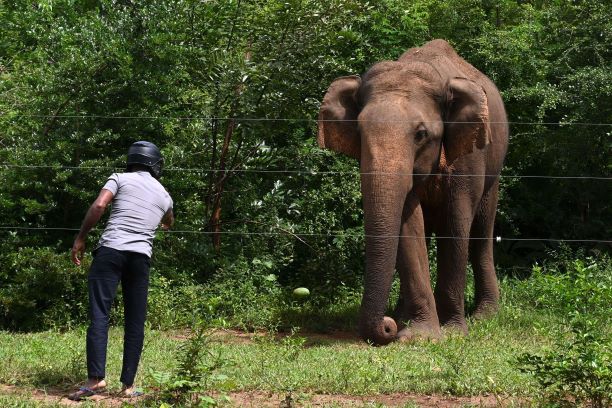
(78,248)
(167,221)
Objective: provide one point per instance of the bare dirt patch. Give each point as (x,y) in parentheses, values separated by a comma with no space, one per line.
(265,400)
(58,395)
(257,399)
(312,339)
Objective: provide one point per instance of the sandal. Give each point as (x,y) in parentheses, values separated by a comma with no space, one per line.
(134,394)
(82,393)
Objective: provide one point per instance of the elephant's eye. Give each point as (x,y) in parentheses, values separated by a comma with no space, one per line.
(421,134)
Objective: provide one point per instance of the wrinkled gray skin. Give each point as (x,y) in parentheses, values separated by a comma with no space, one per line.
(429,112)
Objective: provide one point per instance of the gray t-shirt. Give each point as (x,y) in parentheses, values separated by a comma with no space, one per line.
(139,204)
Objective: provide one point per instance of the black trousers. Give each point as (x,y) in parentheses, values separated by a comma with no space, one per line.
(108,268)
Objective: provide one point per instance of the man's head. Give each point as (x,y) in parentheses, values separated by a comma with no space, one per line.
(145,155)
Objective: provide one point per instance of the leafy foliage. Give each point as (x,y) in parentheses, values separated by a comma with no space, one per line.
(302,365)
(576,370)
(44,290)
(197,372)
(80,81)
(572,285)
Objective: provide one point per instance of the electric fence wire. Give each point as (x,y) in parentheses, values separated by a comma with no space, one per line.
(247,119)
(308,172)
(335,234)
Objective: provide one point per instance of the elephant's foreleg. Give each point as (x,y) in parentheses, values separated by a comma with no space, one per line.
(481,254)
(416,308)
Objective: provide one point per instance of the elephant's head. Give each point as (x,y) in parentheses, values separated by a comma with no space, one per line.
(402,121)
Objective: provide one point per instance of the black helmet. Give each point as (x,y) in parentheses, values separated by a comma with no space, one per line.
(145,154)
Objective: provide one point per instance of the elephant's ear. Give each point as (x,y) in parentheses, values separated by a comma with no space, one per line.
(467,119)
(338,117)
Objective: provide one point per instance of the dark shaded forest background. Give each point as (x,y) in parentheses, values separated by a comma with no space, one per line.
(230,90)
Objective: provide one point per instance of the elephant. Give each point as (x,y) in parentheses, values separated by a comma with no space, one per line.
(430,133)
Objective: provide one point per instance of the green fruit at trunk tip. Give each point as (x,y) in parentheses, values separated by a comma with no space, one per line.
(301,292)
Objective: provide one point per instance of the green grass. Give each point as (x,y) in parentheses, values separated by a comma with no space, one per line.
(480,363)
(476,364)
(533,319)
(21,401)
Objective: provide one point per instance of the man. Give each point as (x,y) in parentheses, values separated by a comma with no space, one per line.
(139,204)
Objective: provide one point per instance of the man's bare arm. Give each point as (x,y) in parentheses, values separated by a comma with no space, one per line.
(91,219)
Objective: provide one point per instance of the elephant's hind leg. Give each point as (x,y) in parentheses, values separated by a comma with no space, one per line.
(450,286)
(452,238)
(481,255)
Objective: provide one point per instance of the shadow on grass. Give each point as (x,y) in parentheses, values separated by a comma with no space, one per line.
(325,319)
(71,372)
(320,326)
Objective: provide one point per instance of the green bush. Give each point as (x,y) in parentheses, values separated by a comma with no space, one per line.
(246,293)
(243,294)
(197,372)
(579,285)
(577,368)
(172,304)
(43,290)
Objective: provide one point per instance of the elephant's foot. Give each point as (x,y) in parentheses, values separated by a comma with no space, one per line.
(485,309)
(420,331)
(458,325)
(450,315)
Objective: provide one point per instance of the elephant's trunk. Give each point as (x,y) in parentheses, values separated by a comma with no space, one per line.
(383,200)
